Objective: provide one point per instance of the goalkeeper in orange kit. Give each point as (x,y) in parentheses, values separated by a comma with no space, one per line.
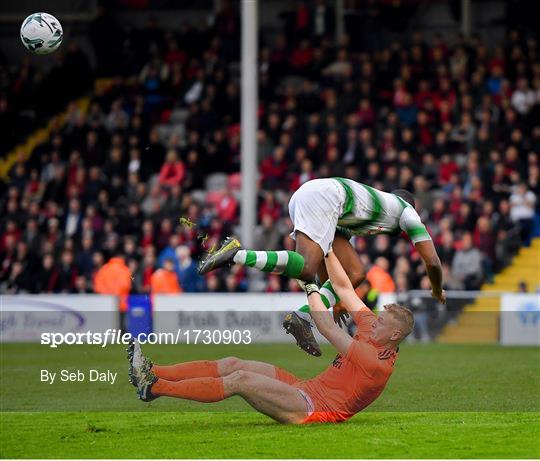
(354,379)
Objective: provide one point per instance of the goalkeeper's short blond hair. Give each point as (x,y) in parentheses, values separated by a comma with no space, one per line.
(403,315)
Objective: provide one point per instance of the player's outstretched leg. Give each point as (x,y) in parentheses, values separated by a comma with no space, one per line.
(218,368)
(288,263)
(211,369)
(265,387)
(277,399)
(187,370)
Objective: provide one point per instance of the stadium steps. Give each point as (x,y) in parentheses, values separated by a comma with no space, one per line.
(479,321)
(22,152)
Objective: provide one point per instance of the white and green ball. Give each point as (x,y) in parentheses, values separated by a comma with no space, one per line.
(41,33)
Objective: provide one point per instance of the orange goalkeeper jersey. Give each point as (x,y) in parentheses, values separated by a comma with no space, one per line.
(354,380)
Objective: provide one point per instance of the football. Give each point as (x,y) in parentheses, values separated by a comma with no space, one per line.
(41,33)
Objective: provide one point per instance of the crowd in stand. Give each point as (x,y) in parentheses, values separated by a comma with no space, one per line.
(455,123)
(29,95)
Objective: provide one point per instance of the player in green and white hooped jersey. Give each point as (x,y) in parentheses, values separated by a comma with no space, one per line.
(326,213)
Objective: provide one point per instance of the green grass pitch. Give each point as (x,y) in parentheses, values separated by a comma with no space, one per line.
(442,402)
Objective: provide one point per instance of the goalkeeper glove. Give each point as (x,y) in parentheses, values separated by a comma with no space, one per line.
(309,288)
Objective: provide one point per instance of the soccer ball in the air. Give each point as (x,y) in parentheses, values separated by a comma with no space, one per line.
(41,33)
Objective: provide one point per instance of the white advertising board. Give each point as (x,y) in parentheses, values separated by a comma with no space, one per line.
(261,314)
(520,319)
(26,317)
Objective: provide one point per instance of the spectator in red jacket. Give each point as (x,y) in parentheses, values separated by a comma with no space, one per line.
(447,168)
(172,172)
(227,208)
(302,56)
(273,169)
(270,207)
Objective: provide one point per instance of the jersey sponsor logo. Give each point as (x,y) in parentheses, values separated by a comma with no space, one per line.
(338,361)
(384,355)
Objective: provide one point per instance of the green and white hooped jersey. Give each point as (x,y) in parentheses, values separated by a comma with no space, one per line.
(368,211)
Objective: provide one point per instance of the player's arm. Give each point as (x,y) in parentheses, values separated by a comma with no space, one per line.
(361,353)
(429,255)
(415,229)
(342,284)
(324,321)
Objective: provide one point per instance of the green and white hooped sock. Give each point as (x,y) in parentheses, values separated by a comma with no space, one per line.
(288,263)
(328,296)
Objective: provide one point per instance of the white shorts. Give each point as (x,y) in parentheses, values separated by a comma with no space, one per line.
(315,209)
